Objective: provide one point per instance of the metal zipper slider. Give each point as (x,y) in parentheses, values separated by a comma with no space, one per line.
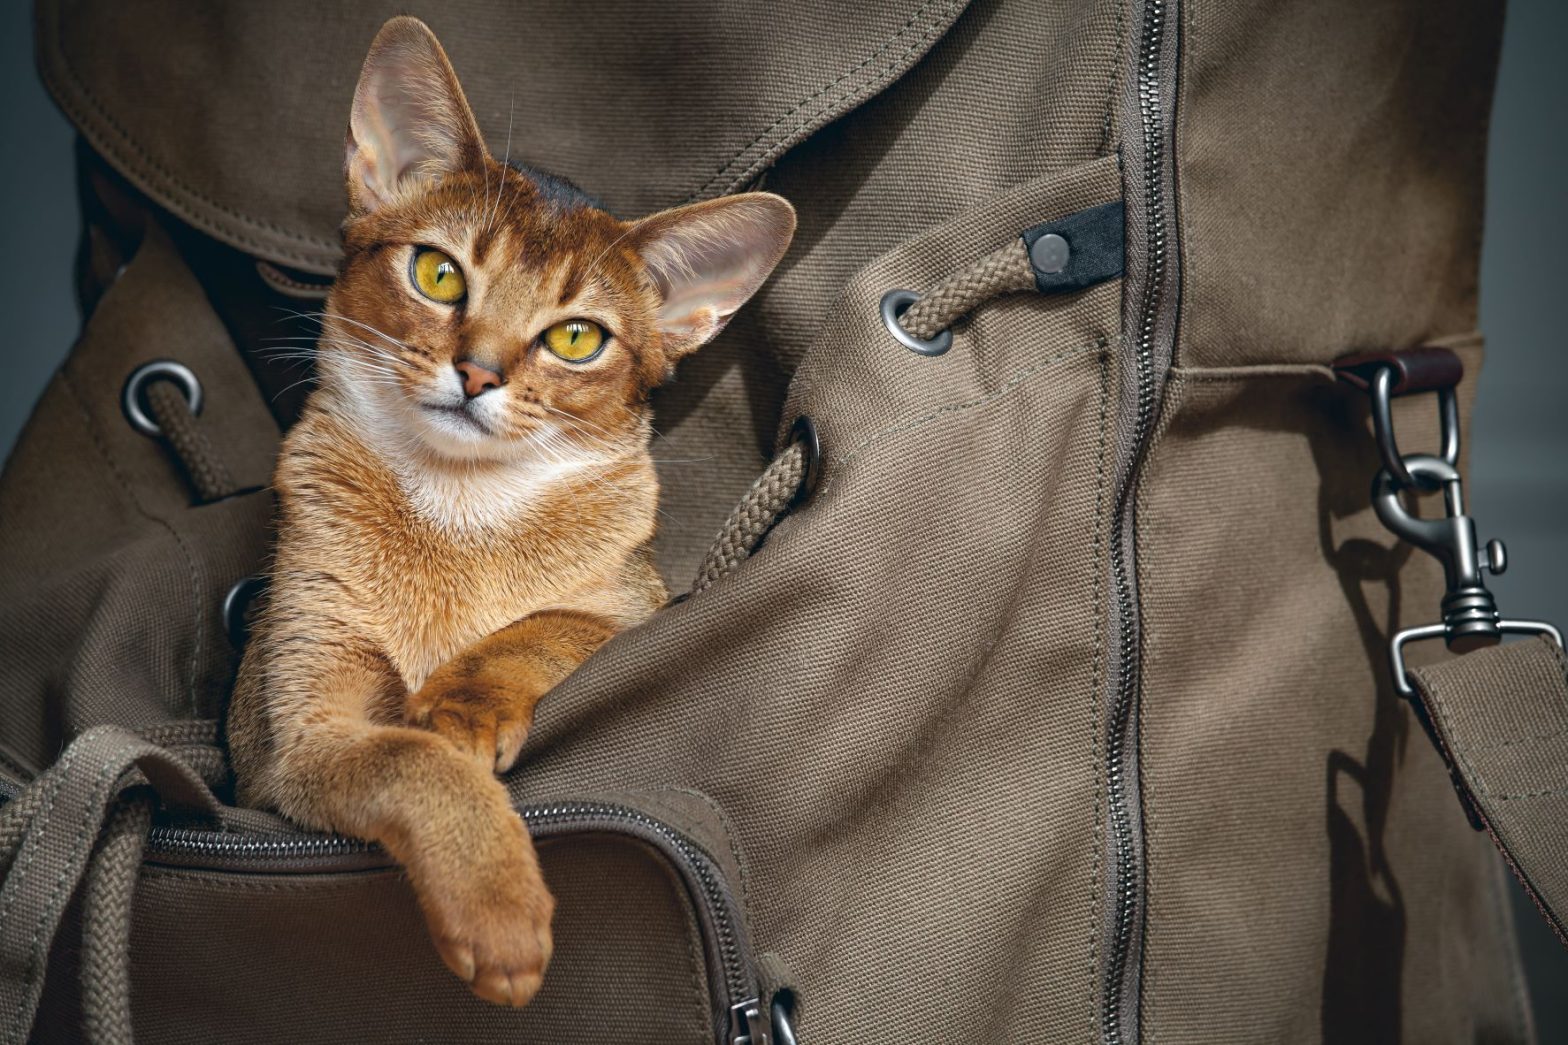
(749,1025)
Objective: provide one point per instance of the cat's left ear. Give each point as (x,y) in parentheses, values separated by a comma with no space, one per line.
(708,258)
(410,122)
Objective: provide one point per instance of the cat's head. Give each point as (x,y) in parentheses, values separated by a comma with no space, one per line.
(488,313)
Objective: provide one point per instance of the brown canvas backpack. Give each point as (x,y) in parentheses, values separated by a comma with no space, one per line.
(1038,686)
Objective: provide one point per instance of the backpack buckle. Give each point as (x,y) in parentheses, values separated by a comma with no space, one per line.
(1471,619)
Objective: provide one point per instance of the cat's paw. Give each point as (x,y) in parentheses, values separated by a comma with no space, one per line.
(487,722)
(493,930)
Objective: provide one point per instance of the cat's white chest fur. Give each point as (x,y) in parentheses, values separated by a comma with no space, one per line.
(479,501)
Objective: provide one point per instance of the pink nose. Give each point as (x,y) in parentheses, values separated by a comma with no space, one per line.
(476,378)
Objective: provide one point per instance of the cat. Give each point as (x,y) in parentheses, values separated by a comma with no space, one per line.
(466,503)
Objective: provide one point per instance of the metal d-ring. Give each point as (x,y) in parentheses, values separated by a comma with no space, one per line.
(1381,389)
(894,304)
(1396,648)
(133,397)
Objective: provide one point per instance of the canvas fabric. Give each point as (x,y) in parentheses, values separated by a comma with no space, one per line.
(897,705)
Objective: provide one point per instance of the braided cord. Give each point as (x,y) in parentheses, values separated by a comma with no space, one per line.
(182,431)
(1003,271)
(769,497)
(106,922)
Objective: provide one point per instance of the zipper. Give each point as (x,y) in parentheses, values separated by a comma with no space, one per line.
(1149,315)
(200,847)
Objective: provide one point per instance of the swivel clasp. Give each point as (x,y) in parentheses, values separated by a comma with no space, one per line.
(1470,616)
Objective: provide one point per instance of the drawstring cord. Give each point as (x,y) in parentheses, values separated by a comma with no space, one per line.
(181,431)
(106,921)
(93,790)
(768,499)
(1005,270)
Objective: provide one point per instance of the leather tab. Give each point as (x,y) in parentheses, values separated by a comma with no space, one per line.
(1424,368)
(1090,244)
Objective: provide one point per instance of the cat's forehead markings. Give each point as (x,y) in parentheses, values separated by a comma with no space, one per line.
(571,277)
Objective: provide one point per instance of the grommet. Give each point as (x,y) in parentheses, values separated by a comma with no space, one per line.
(133,397)
(804,431)
(894,304)
(236,604)
(1050,253)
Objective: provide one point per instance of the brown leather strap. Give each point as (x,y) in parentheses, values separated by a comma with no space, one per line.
(1501,720)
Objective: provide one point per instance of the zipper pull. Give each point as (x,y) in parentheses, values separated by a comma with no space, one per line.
(749,1024)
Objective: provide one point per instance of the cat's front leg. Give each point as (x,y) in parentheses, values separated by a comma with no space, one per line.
(483,699)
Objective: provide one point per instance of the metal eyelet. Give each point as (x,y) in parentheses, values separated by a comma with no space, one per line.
(133,397)
(894,304)
(236,607)
(804,431)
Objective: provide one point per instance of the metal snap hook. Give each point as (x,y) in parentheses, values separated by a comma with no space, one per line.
(133,397)
(894,304)
(1381,389)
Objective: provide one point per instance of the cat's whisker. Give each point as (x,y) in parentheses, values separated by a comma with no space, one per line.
(606,251)
(510,112)
(319,316)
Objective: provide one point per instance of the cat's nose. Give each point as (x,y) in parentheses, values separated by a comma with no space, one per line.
(476,378)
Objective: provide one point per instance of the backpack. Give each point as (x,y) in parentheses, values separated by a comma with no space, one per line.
(1052,675)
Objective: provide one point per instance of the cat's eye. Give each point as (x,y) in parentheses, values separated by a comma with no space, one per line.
(576,340)
(436,276)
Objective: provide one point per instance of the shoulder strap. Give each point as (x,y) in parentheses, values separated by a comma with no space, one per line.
(1500,717)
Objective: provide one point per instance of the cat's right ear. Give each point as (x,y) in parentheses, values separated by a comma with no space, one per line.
(410,123)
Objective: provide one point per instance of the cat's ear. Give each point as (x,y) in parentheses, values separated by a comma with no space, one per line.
(708,258)
(410,122)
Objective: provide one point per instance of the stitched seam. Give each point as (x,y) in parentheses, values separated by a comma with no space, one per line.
(1098,680)
(696,952)
(1441,714)
(286,284)
(93,130)
(1253,372)
(198,632)
(1139,566)
(1529,794)
(1521,740)
(729,831)
(947,7)
(1113,80)
(1017,379)
(157,167)
(1431,686)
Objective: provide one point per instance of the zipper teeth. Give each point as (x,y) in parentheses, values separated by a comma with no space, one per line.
(1118,800)
(713,894)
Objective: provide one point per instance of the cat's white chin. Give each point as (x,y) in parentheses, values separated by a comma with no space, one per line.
(457,435)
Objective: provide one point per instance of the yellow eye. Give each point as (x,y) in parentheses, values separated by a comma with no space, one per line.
(576,340)
(437,276)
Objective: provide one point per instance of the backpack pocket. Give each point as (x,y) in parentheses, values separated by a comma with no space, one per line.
(269,934)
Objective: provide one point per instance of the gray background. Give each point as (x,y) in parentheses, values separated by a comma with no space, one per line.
(1519,440)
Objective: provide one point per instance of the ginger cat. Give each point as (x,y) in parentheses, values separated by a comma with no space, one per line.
(466,504)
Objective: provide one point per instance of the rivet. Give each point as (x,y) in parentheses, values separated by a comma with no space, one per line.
(1050,253)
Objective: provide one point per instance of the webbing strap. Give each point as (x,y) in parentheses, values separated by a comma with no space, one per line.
(1501,719)
(51,831)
